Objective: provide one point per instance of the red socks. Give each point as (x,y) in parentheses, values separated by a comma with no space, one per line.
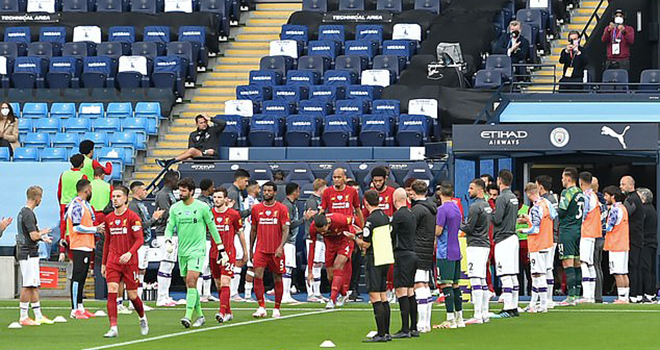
(139,307)
(346,277)
(224,300)
(279,290)
(259,290)
(112,309)
(390,278)
(337,284)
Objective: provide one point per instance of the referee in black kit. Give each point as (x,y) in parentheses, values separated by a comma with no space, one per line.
(376,276)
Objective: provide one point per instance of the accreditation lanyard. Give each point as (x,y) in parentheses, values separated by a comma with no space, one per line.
(616,42)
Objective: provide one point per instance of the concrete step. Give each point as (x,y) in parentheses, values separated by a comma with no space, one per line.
(246,45)
(215,98)
(214,91)
(257,37)
(280,7)
(151,168)
(228,75)
(230,62)
(271,29)
(271,14)
(225,83)
(177,137)
(177,145)
(254,53)
(266,21)
(207,106)
(145,177)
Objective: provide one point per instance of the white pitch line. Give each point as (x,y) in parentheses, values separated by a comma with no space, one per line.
(172,335)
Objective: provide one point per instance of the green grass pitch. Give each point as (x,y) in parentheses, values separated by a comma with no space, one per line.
(308,325)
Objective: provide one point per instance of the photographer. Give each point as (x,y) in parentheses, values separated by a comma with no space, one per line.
(575,62)
(619,37)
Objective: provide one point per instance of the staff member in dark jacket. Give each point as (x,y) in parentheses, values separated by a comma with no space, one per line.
(575,62)
(425,211)
(636,224)
(650,249)
(202,142)
(514,45)
(405,262)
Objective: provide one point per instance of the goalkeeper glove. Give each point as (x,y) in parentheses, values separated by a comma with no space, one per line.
(223,258)
(169,246)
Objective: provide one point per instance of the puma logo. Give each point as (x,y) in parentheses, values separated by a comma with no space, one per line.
(606,130)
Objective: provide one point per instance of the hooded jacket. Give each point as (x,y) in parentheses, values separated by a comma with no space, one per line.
(425,212)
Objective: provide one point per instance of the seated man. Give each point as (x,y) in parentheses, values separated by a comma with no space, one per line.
(514,45)
(202,142)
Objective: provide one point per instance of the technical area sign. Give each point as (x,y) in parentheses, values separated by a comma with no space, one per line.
(555,137)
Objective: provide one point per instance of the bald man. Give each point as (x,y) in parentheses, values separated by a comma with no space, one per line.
(405,258)
(636,218)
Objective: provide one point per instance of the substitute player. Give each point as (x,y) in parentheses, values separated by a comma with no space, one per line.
(478,249)
(27,251)
(506,243)
(591,229)
(617,242)
(191,218)
(229,224)
(539,237)
(270,229)
(342,199)
(123,239)
(571,214)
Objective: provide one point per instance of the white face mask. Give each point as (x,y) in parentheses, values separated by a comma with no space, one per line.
(618,20)
(5,111)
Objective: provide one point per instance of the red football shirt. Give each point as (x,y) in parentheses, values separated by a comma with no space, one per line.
(338,224)
(228,223)
(269,221)
(343,202)
(385,202)
(123,233)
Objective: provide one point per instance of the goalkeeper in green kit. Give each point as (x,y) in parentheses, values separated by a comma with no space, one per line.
(191,218)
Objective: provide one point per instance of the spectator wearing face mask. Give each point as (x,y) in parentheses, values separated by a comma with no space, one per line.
(8,128)
(575,62)
(514,45)
(618,38)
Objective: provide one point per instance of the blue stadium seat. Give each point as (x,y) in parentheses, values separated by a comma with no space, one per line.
(98,72)
(77,125)
(144,6)
(78,50)
(412,130)
(254,93)
(265,77)
(355,64)
(325,48)
(39,49)
(264,129)
(420,171)
(184,50)
(36,139)
(339,77)
(650,78)
(386,107)
(389,5)
(9,50)
(315,107)
(337,130)
(221,9)
(371,32)
(64,72)
(114,50)
(24,126)
(9,6)
(124,139)
(302,77)
(487,79)
(109,6)
(615,76)
(63,110)
(65,140)
(159,35)
(28,72)
(430,5)
(119,110)
(146,49)
(54,155)
(91,110)
(115,155)
(26,154)
(133,72)
(4,154)
(19,35)
(279,64)
(388,62)
(35,110)
(290,93)
(300,129)
(351,5)
(327,93)
(47,125)
(75,6)
(316,64)
(233,130)
(501,63)
(361,48)
(295,32)
(54,35)
(196,36)
(400,48)
(99,138)
(148,110)
(315,5)
(124,35)
(374,130)
(169,72)
(369,93)
(16,108)
(138,125)
(533,17)
(300,173)
(329,32)
(106,125)
(281,108)
(353,107)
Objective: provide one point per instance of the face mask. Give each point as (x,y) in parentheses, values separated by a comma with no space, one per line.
(618,20)
(515,34)
(5,111)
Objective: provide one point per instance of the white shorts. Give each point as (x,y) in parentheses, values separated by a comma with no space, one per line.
(619,263)
(290,255)
(550,262)
(422,276)
(477,259)
(507,256)
(164,255)
(238,247)
(30,272)
(319,251)
(587,246)
(538,261)
(143,260)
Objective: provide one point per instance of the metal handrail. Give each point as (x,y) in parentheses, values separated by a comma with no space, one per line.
(595,15)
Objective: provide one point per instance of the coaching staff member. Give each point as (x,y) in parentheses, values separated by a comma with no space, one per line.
(403,236)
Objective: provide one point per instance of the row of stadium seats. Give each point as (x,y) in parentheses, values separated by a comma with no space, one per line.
(90,110)
(56,125)
(131,139)
(361,5)
(302,130)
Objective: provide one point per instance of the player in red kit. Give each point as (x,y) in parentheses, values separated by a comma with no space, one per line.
(338,249)
(229,224)
(123,238)
(270,229)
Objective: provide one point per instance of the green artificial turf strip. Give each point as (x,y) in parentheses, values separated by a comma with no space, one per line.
(583,327)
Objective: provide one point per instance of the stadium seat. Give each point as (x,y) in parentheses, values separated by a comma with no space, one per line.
(407,31)
(124,35)
(315,107)
(327,93)
(615,77)
(39,49)
(374,129)
(47,125)
(109,6)
(395,6)
(133,72)
(420,171)
(159,35)
(650,80)
(367,92)
(400,48)
(119,110)
(19,35)
(77,125)
(183,49)
(354,108)
(125,139)
(9,6)
(329,49)
(140,125)
(28,72)
(63,110)
(75,6)
(386,107)
(501,63)
(4,154)
(196,36)
(351,5)
(361,48)
(388,62)
(35,110)
(254,93)
(334,33)
(65,140)
(487,79)
(337,130)
(281,108)
(99,138)
(371,32)
(300,173)
(263,130)
(233,130)
(430,5)
(144,6)
(244,108)
(78,50)
(412,130)
(9,50)
(106,125)
(315,5)
(98,72)
(91,110)
(339,77)
(278,64)
(289,48)
(148,110)
(26,154)
(355,64)
(295,32)
(24,126)
(64,72)
(221,9)
(300,129)
(36,139)
(115,155)
(290,93)
(265,77)
(146,49)
(54,35)
(427,107)
(316,64)
(302,77)
(169,72)
(54,155)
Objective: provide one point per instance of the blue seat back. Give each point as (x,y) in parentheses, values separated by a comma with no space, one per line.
(63,110)
(325,48)
(98,64)
(314,107)
(277,108)
(371,32)
(52,35)
(386,107)
(264,77)
(193,33)
(304,77)
(119,110)
(18,35)
(295,32)
(364,48)
(329,32)
(157,34)
(122,34)
(339,77)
